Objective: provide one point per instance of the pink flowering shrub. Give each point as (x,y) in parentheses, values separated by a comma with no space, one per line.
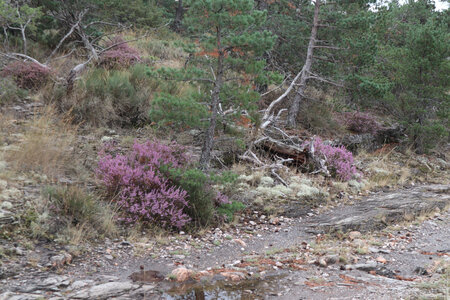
(360,122)
(339,160)
(27,75)
(121,56)
(154,184)
(143,191)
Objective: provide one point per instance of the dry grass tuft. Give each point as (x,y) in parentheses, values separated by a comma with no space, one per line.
(71,215)
(46,145)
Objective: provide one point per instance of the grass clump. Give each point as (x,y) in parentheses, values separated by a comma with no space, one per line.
(46,146)
(70,215)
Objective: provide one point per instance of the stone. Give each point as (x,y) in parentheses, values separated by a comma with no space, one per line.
(381,259)
(60,260)
(322,262)
(370,266)
(76,285)
(353,235)
(233,276)
(378,211)
(182,274)
(105,291)
(331,259)
(421,271)
(240,242)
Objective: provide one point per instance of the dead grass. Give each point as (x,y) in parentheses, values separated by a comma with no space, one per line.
(45,146)
(71,215)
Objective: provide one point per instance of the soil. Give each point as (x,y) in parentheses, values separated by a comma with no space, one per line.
(279,259)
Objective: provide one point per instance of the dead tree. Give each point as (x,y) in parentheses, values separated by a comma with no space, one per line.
(306,70)
(299,83)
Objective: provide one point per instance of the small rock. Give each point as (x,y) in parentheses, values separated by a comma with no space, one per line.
(331,259)
(381,259)
(233,276)
(105,290)
(240,242)
(182,274)
(353,235)
(109,256)
(19,251)
(59,260)
(322,262)
(374,250)
(421,271)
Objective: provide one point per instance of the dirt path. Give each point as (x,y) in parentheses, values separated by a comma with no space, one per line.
(261,258)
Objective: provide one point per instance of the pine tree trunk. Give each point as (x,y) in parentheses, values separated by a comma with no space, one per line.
(178,16)
(208,142)
(295,106)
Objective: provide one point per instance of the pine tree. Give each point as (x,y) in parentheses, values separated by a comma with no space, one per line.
(226,56)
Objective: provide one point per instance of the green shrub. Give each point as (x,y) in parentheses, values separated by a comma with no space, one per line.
(111,97)
(177,112)
(9,91)
(428,136)
(229,210)
(200,194)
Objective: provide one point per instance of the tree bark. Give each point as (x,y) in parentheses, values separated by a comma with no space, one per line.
(295,106)
(208,143)
(24,38)
(178,16)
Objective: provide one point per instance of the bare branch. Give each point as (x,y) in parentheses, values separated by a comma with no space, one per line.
(268,113)
(80,17)
(26,57)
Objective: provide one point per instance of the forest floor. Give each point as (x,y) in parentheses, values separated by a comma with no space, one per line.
(391,244)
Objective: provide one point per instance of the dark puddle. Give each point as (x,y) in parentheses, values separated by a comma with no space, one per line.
(250,289)
(148,276)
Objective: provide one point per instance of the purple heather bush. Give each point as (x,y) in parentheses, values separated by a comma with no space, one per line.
(27,75)
(154,184)
(360,122)
(143,191)
(339,160)
(121,56)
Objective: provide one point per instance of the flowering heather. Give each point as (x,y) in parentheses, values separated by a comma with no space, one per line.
(221,199)
(27,75)
(361,122)
(121,56)
(338,159)
(143,192)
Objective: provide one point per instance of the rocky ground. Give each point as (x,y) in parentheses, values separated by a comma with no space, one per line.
(391,244)
(259,258)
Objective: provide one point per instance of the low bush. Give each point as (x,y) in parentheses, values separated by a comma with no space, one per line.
(27,75)
(120,56)
(9,91)
(229,209)
(360,122)
(199,194)
(70,214)
(339,160)
(143,191)
(154,183)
